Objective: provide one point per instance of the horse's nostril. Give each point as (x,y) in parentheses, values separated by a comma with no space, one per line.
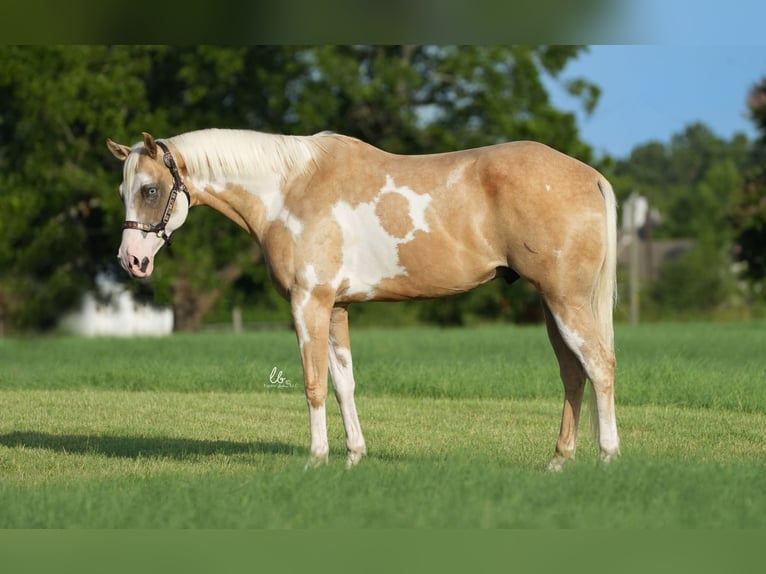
(144,264)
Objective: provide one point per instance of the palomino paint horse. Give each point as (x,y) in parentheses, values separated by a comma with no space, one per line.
(340,221)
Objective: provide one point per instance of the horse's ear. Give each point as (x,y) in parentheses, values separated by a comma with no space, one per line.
(150,144)
(119,151)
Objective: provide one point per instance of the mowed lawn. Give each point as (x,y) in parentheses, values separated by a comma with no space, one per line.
(190,432)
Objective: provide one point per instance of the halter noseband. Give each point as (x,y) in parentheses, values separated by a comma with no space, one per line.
(178,185)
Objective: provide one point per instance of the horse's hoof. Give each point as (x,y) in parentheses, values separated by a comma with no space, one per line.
(354,457)
(557,463)
(316,461)
(606,457)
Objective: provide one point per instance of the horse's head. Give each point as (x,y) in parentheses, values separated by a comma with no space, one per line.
(155,198)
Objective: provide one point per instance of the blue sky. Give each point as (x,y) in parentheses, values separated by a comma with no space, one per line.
(677,62)
(650,92)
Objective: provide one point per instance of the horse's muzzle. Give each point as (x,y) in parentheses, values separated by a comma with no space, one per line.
(135,265)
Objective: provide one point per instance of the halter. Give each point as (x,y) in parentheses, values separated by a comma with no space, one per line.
(178,185)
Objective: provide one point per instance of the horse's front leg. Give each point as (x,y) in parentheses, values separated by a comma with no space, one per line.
(311,315)
(342,374)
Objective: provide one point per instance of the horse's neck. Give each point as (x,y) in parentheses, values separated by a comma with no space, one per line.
(249,202)
(245,175)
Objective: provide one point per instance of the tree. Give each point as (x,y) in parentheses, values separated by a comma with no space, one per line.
(693,181)
(749,213)
(59,210)
(57,224)
(425,99)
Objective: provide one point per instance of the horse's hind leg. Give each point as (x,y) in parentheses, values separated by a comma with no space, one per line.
(573,377)
(343,383)
(578,328)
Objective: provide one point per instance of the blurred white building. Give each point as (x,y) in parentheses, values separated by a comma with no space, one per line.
(115,313)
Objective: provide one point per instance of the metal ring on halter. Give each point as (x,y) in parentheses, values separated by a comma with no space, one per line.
(178,185)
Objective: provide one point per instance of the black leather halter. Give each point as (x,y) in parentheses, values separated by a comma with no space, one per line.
(178,185)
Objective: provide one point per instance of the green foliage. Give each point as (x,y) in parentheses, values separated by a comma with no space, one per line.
(749,213)
(695,182)
(699,281)
(60,216)
(59,212)
(58,225)
(691,181)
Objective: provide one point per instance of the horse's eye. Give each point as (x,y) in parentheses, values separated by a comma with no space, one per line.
(150,192)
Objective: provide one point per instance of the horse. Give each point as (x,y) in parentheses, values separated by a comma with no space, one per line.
(340,221)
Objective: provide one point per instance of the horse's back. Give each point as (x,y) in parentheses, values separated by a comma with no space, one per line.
(436,224)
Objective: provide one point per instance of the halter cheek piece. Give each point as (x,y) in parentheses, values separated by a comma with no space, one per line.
(178,185)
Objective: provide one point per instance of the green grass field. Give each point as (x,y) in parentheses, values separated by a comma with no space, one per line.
(188,432)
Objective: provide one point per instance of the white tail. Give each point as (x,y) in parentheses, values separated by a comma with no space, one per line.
(605,294)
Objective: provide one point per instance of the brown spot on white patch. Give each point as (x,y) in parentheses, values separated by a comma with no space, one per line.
(393,209)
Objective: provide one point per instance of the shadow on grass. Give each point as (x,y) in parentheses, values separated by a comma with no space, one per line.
(136,446)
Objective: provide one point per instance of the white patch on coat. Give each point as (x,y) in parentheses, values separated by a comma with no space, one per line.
(418,204)
(455,175)
(268,188)
(199,184)
(289,220)
(311,280)
(557,253)
(572,338)
(370,253)
(547,187)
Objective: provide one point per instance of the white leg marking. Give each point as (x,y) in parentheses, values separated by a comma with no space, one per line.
(343,383)
(556,464)
(320,448)
(608,438)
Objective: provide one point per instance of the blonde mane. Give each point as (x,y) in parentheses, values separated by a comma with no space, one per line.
(216,154)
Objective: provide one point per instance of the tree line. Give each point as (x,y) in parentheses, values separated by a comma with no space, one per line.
(60,214)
